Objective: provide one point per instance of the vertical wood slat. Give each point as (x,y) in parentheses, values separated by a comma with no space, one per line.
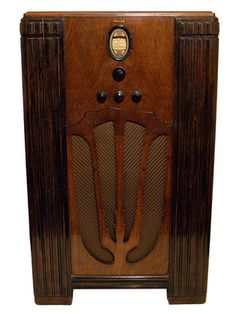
(135,233)
(119,147)
(194,135)
(106,242)
(44,115)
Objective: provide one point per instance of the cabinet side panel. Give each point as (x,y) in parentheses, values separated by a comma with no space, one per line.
(194,128)
(44,115)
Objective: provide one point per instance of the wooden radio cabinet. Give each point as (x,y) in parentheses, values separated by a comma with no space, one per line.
(119,111)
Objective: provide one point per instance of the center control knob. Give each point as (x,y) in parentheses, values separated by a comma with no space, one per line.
(118,74)
(119,96)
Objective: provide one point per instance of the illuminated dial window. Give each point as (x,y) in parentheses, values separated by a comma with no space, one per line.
(119,43)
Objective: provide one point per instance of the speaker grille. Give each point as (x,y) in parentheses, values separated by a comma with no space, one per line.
(104,137)
(85,200)
(153,199)
(105,151)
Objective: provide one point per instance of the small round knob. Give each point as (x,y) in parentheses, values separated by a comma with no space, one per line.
(118,74)
(136,96)
(101,97)
(119,96)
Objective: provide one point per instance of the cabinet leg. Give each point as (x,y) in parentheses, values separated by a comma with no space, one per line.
(46,300)
(188,299)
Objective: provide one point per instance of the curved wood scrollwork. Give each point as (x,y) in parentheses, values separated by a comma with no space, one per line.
(119,246)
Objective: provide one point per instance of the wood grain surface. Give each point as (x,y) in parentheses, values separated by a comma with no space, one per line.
(149,67)
(194,138)
(173,62)
(44,117)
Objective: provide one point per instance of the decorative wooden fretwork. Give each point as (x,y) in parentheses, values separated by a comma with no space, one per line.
(118,222)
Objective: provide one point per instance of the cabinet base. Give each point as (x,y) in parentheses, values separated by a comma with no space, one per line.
(53,300)
(198,299)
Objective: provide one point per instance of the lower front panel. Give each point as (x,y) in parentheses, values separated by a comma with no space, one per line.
(119,171)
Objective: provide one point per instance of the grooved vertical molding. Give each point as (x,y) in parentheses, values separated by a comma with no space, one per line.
(194,132)
(44,115)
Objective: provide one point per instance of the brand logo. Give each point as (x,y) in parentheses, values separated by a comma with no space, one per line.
(119,21)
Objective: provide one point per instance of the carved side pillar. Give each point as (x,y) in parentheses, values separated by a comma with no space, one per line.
(44,114)
(194,131)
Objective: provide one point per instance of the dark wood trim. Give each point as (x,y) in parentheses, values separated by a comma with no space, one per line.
(197,299)
(121,13)
(46,161)
(119,282)
(197,26)
(53,300)
(44,26)
(194,137)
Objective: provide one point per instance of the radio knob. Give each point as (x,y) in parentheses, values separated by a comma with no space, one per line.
(119,96)
(118,74)
(136,96)
(101,97)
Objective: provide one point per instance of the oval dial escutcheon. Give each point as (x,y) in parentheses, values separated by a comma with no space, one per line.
(119,43)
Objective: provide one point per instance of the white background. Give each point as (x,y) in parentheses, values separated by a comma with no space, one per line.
(16,293)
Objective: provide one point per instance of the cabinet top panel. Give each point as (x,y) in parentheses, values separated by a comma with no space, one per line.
(122,13)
